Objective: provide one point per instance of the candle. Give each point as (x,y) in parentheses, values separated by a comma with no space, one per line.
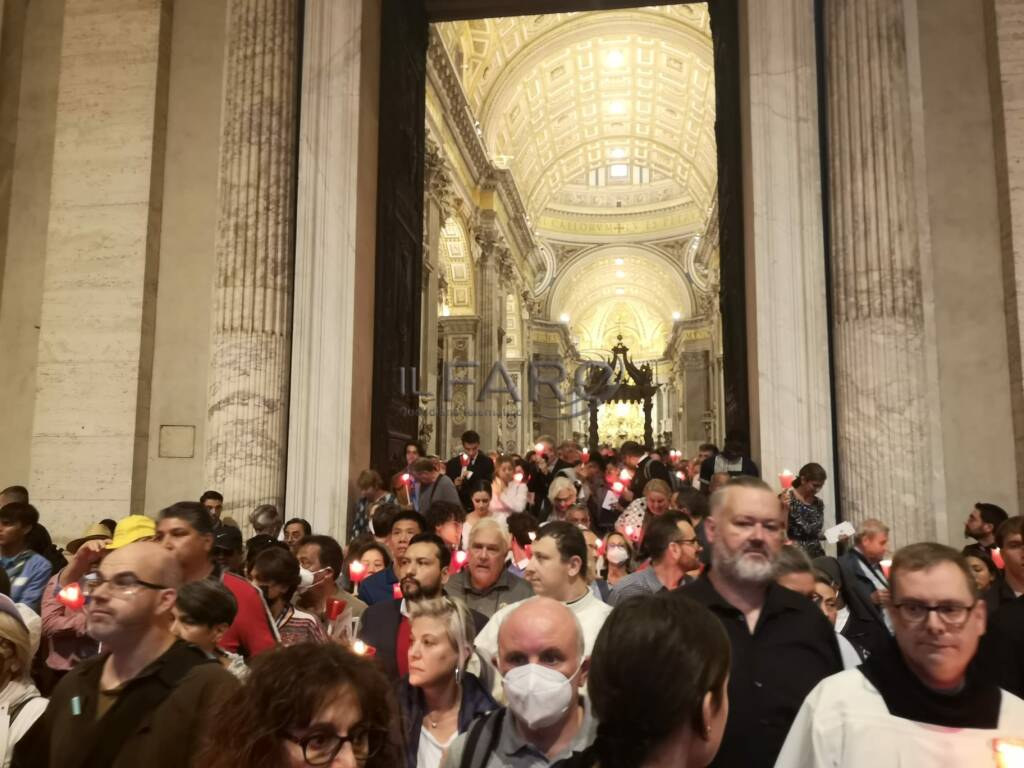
(624,475)
(518,477)
(335,608)
(680,475)
(396,591)
(585,455)
(632,533)
(465,459)
(356,571)
(362,649)
(406,478)
(997,558)
(539,447)
(1009,753)
(885,567)
(601,545)
(459,560)
(617,486)
(71,597)
(786,479)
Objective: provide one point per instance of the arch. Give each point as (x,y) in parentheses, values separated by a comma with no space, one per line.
(634,289)
(456,261)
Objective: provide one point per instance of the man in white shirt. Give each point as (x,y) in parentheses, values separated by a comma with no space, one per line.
(557,569)
(915,703)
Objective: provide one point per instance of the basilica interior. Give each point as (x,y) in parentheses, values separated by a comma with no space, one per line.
(256,246)
(571,207)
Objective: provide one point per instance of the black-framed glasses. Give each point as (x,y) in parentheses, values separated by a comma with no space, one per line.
(124,584)
(952,614)
(321,747)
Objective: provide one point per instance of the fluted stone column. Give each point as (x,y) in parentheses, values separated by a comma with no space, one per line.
(438,204)
(1008,26)
(885,374)
(491,305)
(248,377)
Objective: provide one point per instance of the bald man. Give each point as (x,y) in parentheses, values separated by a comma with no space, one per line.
(547,720)
(143,700)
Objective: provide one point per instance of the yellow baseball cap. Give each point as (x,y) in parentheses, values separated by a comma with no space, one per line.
(131,529)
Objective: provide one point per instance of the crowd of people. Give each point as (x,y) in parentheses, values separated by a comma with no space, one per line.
(615,608)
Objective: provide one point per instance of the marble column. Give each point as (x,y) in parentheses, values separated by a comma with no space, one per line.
(90,431)
(791,420)
(332,334)
(886,378)
(491,306)
(249,360)
(438,205)
(1007,26)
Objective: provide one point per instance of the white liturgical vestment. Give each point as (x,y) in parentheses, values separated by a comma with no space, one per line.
(844,722)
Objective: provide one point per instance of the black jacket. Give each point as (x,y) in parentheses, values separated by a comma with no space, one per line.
(647,470)
(475,702)
(155,721)
(866,627)
(482,467)
(379,628)
(1001,653)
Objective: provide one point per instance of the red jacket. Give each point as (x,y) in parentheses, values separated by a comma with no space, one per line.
(252,632)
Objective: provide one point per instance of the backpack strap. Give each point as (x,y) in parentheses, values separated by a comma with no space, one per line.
(489,724)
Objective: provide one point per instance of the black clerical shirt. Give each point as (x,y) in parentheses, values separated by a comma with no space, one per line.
(793,647)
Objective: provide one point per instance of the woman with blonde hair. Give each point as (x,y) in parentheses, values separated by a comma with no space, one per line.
(439,698)
(21,704)
(655,501)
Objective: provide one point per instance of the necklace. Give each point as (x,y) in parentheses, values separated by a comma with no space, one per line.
(434,723)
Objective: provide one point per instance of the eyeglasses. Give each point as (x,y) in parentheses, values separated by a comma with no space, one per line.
(951,614)
(321,747)
(123,584)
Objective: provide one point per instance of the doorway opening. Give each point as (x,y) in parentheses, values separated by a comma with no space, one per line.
(578,192)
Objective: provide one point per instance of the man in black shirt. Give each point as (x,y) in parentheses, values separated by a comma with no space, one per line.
(470,467)
(644,467)
(782,645)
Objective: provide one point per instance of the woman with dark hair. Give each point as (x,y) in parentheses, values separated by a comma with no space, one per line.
(657,684)
(308,705)
(806,510)
(275,573)
(186,530)
(203,612)
(374,557)
(618,558)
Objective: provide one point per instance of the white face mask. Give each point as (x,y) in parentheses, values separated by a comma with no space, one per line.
(617,555)
(307,579)
(538,696)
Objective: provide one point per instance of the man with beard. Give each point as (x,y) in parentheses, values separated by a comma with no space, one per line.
(423,572)
(782,645)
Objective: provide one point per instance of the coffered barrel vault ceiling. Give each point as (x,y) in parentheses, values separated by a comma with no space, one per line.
(607,122)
